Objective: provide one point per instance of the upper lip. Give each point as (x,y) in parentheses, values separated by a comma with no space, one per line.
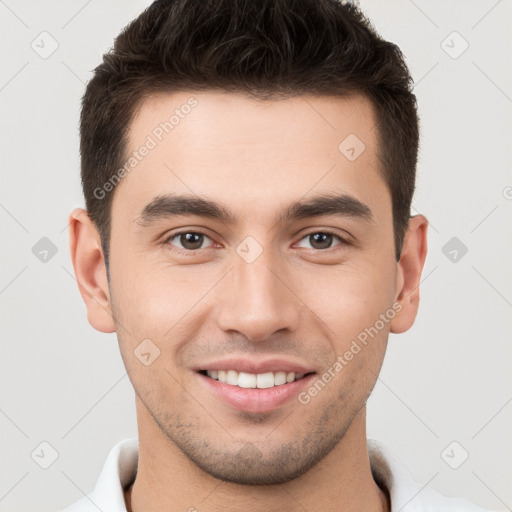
(253,366)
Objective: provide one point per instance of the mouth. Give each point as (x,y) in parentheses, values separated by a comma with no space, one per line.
(255,392)
(254,380)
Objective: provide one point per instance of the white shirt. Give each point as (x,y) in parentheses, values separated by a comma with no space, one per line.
(406,495)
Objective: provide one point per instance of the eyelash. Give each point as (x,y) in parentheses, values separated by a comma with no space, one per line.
(191,252)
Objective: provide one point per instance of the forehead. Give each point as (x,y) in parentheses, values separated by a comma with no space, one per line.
(222,118)
(242,150)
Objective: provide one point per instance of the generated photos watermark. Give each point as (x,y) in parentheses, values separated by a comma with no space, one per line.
(152,140)
(355,348)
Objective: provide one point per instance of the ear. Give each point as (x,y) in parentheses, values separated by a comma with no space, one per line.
(90,270)
(410,266)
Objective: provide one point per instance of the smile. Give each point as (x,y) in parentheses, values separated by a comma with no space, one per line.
(253,380)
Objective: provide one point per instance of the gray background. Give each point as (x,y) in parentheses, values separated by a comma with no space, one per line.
(447,379)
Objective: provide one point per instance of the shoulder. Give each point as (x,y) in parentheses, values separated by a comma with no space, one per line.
(405,493)
(119,470)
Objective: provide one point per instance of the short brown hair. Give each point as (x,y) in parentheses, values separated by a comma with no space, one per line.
(269,49)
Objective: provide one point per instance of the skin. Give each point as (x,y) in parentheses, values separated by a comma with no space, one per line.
(296,300)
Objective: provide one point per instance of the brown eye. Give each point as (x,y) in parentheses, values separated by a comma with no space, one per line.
(189,241)
(321,240)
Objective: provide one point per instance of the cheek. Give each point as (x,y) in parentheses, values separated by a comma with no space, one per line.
(357,309)
(348,298)
(162,302)
(142,290)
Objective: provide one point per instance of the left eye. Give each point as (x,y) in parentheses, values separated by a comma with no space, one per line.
(321,240)
(189,240)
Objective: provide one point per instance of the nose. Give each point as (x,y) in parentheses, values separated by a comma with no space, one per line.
(257,301)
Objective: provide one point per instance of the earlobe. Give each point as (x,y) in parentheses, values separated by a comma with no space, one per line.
(90,271)
(410,266)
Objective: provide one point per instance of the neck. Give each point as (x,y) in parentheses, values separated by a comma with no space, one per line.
(167,480)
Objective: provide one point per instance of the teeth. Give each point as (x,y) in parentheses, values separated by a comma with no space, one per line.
(246,380)
(265,380)
(232,377)
(251,380)
(279,378)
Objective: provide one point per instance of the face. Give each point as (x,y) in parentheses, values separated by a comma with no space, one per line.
(247,246)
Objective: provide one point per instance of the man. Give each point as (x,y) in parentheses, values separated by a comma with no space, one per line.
(248,170)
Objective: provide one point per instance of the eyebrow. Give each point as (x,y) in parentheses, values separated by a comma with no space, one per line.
(170,205)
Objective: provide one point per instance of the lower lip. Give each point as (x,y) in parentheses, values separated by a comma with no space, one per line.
(255,399)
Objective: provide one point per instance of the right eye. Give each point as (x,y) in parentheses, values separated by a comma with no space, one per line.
(188,240)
